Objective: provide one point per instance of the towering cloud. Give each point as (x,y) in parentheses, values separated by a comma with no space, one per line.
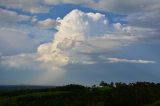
(74,29)
(80,32)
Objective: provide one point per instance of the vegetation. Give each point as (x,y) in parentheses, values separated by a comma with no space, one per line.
(112,94)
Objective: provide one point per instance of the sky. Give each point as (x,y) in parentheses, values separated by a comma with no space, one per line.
(57,42)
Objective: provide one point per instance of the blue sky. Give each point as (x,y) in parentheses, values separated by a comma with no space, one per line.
(56,42)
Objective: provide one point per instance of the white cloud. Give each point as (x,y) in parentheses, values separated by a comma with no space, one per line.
(88,62)
(18,37)
(46,24)
(118,6)
(8,16)
(16,61)
(139,32)
(148,19)
(13,41)
(37,9)
(123,60)
(55,2)
(21,62)
(84,24)
(32,6)
(126,6)
(12,21)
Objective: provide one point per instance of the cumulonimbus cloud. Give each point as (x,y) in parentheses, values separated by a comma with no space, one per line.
(80,32)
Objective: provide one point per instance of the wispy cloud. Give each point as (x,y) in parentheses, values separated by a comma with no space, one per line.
(31,6)
(14,41)
(8,16)
(123,60)
(46,24)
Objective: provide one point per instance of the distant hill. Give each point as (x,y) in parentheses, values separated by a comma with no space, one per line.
(23,87)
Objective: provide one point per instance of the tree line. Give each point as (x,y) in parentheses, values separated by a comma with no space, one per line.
(104,94)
